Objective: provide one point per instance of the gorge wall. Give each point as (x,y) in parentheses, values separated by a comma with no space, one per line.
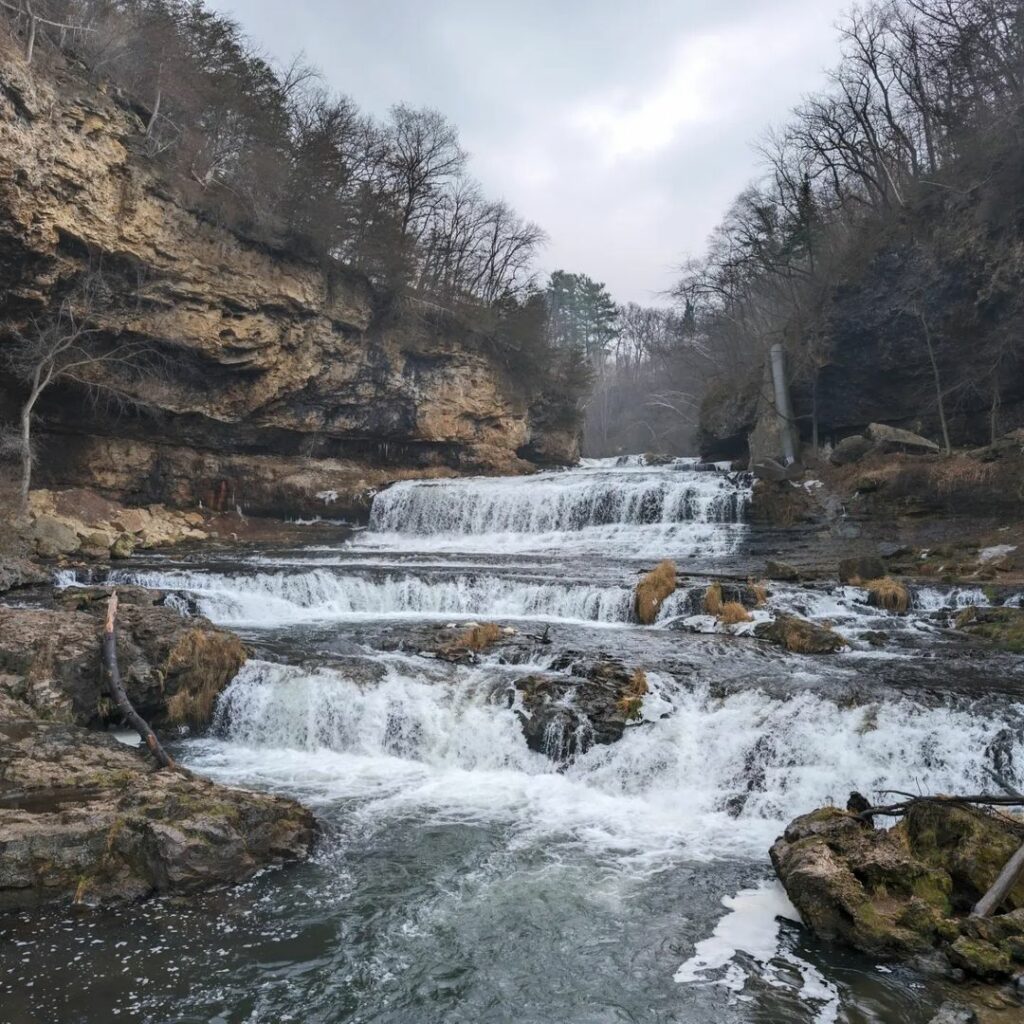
(280,387)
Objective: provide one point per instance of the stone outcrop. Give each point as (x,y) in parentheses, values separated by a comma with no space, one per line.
(285,389)
(799,636)
(565,714)
(84,818)
(908,890)
(82,523)
(172,668)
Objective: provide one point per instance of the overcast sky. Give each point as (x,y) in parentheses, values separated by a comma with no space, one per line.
(622,127)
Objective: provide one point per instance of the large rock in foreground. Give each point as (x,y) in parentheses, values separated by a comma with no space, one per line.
(84,818)
(173,668)
(899,892)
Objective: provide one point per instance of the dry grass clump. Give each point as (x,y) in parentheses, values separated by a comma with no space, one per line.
(888,594)
(477,638)
(760,591)
(652,590)
(713,600)
(632,698)
(733,612)
(204,662)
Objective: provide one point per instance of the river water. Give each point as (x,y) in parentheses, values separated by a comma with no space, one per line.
(462,877)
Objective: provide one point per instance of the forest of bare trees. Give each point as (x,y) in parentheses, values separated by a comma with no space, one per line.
(925,107)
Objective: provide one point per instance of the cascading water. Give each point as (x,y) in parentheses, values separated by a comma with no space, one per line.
(463,876)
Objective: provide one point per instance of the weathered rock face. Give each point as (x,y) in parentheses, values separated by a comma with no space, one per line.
(282,382)
(565,715)
(799,636)
(907,890)
(172,668)
(84,818)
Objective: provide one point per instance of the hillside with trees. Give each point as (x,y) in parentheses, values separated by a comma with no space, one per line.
(882,248)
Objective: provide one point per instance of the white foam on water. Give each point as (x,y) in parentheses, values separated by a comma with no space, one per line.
(276,599)
(704,777)
(630,510)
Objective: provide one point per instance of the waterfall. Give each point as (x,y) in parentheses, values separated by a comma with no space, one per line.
(632,510)
(721,774)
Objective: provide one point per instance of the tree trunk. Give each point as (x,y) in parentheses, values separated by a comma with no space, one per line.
(938,383)
(117,689)
(26,452)
(31,44)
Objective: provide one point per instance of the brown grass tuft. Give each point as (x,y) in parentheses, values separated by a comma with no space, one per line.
(760,591)
(713,599)
(652,590)
(632,697)
(733,612)
(889,594)
(204,661)
(476,638)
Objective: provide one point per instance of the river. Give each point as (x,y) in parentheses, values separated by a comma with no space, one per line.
(462,877)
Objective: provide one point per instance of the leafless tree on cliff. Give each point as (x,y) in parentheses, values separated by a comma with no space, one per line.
(63,346)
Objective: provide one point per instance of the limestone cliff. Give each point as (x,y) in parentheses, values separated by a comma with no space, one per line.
(288,390)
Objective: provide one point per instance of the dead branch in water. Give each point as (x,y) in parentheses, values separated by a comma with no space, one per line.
(117,690)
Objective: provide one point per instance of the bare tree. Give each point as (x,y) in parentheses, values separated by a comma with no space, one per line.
(64,346)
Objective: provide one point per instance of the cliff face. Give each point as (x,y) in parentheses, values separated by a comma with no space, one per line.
(282,388)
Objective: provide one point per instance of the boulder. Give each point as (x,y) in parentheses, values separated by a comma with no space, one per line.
(20,572)
(782,571)
(895,439)
(652,590)
(1002,626)
(86,819)
(907,890)
(864,567)
(799,636)
(850,450)
(563,715)
(173,668)
(51,537)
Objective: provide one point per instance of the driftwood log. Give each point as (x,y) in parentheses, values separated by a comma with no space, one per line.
(117,690)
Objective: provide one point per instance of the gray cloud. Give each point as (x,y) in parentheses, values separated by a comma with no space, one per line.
(624,129)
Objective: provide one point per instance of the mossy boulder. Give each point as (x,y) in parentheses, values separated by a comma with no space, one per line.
(86,819)
(909,889)
(799,636)
(172,668)
(1004,627)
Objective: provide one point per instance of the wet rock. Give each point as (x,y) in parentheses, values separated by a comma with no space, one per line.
(173,668)
(1002,626)
(850,450)
(909,889)
(774,472)
(20,572)
(564,715)
(954,1013)
(799,635)
(782,571)
(894,439)
(84,818)
(864,567)
(652,590)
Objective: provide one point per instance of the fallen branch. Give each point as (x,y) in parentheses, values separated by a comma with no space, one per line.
(117,690)
(1000,888)
(895,810)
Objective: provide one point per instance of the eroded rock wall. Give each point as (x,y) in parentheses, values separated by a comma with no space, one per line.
(277,381)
